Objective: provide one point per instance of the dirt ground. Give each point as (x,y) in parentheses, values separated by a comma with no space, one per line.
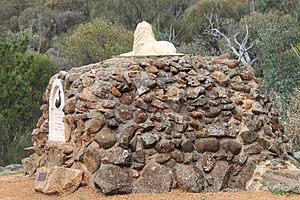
(18,187)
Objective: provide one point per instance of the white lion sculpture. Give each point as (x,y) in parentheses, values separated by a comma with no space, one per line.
(145,44)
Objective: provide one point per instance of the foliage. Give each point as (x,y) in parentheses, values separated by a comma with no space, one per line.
(164,15)
(225,13)
(275,34)
(293,119)
(23,78)
(283,6)
(95,41)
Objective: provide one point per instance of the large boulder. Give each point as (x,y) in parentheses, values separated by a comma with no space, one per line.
(57,180)
(112,179)
(154,178)
(188,179)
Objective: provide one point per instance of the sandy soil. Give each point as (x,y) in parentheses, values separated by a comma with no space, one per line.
(18,187)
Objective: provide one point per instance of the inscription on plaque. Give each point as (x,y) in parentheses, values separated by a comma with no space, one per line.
(42,176)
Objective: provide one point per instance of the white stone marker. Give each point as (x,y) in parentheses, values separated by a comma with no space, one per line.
(145,44)
(56,114)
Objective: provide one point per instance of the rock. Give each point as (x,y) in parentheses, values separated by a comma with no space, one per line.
(254,148)
(161,111)
(216,130)
(201,101)
(232,145)
(220,78)
(139,103)
(194,92)
(86,95)
(164,146)
(208,161)
(126,136)
(242,88)
(118,156)
(112,123)
(105,138)
(285,181)
(213,112)
(142,90)
(138,160)
(220,175)
(150,139)
(231,63)
(112,179)
(177,155)
(151,69)
(207,144)
(13,167)
(163,158)
(140,116)
(92,158)
(157,103)
(196,114)
(296,155)
(57,180)
(248,137)
(247,72)
(125,113)
(154,178)
(95,124)
(187,145)
(188,179)
(29,165)
(69,106)
(108,104)
(257,108)
(114,91)
(193,81)
(127,99)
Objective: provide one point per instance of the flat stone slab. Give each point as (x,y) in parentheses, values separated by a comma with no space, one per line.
(282,180)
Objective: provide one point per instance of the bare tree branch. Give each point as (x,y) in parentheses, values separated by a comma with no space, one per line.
(296,52)
(239,49)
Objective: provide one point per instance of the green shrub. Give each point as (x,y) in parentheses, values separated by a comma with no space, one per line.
(23,79)
(95,41)
(293,119)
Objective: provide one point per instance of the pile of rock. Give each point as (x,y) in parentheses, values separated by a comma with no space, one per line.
(148,125)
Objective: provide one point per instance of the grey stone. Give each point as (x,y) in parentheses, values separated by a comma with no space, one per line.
(113,179)
(188,179)
(220,175)
(13,167)
(118,156)
(216,130)
(154,178)
(282,181)
(150,139)
(296,155)
(105,138)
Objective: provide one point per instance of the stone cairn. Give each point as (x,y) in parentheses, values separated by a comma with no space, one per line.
(151,124)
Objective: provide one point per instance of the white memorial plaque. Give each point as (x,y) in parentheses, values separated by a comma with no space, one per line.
(56,114)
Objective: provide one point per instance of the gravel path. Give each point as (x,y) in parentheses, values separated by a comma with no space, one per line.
(18,187)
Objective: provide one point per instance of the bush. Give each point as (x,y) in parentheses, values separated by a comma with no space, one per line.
(196,23)
(274,35)
(23,79)
(95,41)
(293,119)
